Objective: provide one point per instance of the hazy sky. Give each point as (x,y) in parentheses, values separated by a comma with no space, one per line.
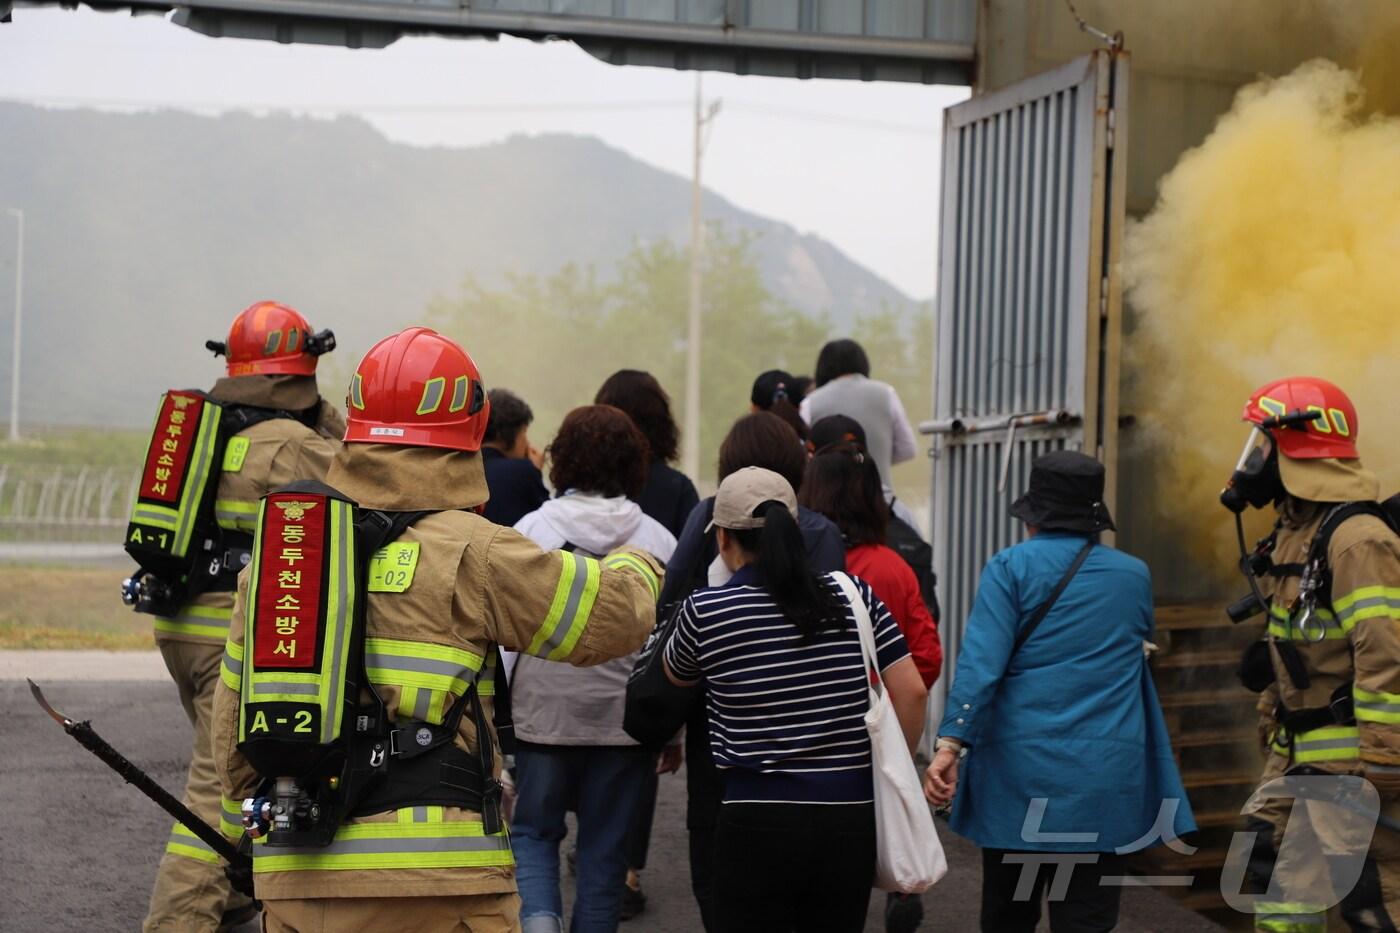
(856,163)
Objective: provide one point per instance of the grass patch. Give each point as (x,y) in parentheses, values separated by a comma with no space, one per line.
(69,607)
(90,447)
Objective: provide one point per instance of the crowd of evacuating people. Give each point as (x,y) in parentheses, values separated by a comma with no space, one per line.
(577,613)
(779,809)
(763,652)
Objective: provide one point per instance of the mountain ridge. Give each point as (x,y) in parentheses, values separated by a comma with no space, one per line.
(146,232)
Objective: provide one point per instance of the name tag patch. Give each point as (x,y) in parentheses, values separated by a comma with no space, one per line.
(235,453)
(391,568)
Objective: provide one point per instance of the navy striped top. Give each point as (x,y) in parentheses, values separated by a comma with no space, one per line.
(787,717)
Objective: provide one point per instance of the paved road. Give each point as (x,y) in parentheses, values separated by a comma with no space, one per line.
(78,849)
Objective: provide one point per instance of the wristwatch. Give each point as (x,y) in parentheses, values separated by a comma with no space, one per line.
(951,743)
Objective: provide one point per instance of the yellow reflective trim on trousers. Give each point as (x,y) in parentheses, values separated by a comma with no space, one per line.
(1331,743)
(207,621)
(639,565)
(425,844)
(187,844)
(236,515)
(1285,917)
(1368,602)
(1375,706)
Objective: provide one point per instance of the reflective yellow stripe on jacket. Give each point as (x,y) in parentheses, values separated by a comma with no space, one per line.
(236,515)
(426,675)
(1375,706)
(568,613)
(1285,627)
(205,621)
(1330,743)
(231,668)
(1368,602)
(420,838)
(634,562)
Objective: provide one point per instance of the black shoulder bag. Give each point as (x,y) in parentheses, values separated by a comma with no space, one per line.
(1049,603)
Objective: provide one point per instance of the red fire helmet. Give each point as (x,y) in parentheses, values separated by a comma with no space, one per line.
(268,338)
(1330,433)
(420,389)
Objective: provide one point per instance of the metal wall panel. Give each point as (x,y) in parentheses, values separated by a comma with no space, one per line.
(1027,309)
(928,41)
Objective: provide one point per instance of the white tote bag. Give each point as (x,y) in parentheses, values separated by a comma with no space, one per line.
(908,856)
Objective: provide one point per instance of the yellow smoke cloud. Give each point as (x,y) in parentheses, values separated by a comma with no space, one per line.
(1274,250)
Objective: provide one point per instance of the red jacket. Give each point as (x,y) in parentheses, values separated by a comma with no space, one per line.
(894,582)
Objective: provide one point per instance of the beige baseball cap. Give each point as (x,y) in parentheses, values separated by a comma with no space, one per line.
(743,491)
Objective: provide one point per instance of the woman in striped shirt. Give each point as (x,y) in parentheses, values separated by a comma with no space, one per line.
(786,696)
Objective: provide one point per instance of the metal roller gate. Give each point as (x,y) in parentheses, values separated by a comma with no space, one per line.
(1028,308)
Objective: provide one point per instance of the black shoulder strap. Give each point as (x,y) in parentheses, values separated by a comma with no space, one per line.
(1054,597)
(378,528)
(1322,541)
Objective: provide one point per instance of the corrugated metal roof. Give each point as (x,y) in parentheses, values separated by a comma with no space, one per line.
(928,41)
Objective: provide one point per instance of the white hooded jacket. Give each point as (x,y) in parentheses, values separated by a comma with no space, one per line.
(558,704)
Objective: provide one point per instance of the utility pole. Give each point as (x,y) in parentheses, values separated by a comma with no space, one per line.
(690,461)
(19,312)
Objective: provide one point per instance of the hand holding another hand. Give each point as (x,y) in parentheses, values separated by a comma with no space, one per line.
(941,778)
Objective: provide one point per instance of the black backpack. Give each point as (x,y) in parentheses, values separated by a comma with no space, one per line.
(906,541)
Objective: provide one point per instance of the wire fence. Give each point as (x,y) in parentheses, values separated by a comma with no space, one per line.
(58,504)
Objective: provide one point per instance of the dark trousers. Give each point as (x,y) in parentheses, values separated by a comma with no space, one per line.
(639,835)
(1012,890)
(793,867)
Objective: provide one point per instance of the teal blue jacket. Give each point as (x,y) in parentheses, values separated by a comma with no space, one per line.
(1069,750)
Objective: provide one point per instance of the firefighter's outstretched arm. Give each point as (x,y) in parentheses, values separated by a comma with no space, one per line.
(563,606)
(237,779)
(1366,599)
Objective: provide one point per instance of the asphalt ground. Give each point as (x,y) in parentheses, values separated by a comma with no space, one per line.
(78,847)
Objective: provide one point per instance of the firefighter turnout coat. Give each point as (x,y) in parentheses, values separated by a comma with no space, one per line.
(1357,657)
(475,586)
(257,460)
(190,891)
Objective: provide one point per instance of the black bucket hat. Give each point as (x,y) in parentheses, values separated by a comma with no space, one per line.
(1066,494)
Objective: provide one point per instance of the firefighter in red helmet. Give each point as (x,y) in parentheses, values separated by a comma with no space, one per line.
(422,854)
(1328,667)
(278,429)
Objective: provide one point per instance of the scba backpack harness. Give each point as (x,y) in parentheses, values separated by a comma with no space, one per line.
(173,534)
(311,722)
(1256,671)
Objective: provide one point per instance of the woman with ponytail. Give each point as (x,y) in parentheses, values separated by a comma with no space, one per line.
(778,650)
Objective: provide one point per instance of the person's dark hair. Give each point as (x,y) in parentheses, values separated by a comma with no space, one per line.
(762,439)
(801,385)
(841,358)
(509,416)
(844,485)
(770,393)
(780,558)
(639,395)
(598,450)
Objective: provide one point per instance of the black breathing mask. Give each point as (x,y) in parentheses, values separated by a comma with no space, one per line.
(1256,481)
